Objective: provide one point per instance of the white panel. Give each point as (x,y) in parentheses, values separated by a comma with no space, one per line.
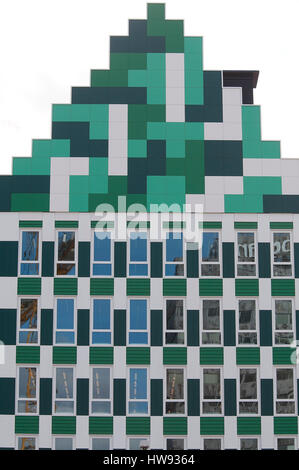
(175,88)
(267,437)
(59,183)
(156,439)
(7,431)
(296,228)
(193,366)
(8,289)
(119,437)
(230,369)
(266,368)
(47,299)
(48,233)
(231,128)
(229,300)
(46,360)
(297,296)
(79,165)
(271,166)
(265,294)
(84,231)
(45,432)
(9,223)
(82,369)
(214,131)
(156,299)
(290,167)
(232,96)
(233,184)
(83,297)
(8,369)
(60,166)
(232,114)
(214,185)
(120,289)
(232,131)
(263,232)
(156,367)
(252,167)
(290,185)
(59,202)
(228,231)
(193,439)
(192,299)
(118,139)
(120,368)
(230,436)
(82,436)
(214,203)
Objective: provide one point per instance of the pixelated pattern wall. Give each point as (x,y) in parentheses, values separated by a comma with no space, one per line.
(157,129)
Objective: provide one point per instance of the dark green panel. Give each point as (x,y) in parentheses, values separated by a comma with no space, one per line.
(101,355)
(66,224)
(63,424)
(156,397)
(175,355)
(264,259)
(45,396)
(174,287)
(102,286)
(84,259)
(9,259)
(249,426)
(28,354)
(63,286)
(48,259)
(83,327)
(211,355)
(210,287)
(267,397)
(265,328)
(7,394)
(156,327)
(286,425)
(138,355)
(246,287)
(297,324)
(281,225)
(101,425)
(283,287)
(8,323)
(283,355)
(119,397)
(30,223)
(64,355)
(140,287)
(29,285)
(193,392)
(228,257)
(82,397)
(138,426)
(245,225)
(248,355)
(27,424)
(120,328)
(229,327)
(230,397)
(192,263)
(156,259)
(296,259)
(46,333)
(212,426)
(175,426)
(120,259)
(192,327)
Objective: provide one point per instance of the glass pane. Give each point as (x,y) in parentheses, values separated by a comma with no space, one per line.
(101,269)
(101,314)
(64,382)
(175,407)
(29,337)
(174,315)
(30,246)
(282,247)
(175,444)
(174,338)
(283,314)
(63,443)
(246,248)
(138,443)
(66,246)
(65,337)
(248,444)
(211,315)
(100,443)
(101,383)
(138,270)
(66,406)
(247,320)
(26,443)
(138,246)
(211,407)
(249,407)
(282,270)
(285,444)
(212,444)
(31,269)
(285,407)
(65,314)
(174,270)
(102,246)
(138,314)
(211,385)
(284,338)
(101,407)
(138,407)
(26,406)
(101,338)
(66,269)
(285,385)
(247,338)
(174,246)
(138,383)
(175,384)
(210,269)
(246,270)
(138,338)
(28,318)
(210,246)
(27,382)
(211,338)
(248,384)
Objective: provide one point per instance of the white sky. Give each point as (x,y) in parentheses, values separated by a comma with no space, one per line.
(47,46)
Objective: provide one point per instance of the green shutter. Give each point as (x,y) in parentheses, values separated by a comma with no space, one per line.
(210,225)
(138,355)
(82,397)
(266,397)
(192,264)
(82,327)
(138,426)
(29,286)
(175,355)
(265,328)
(249,426)
(103,286)
(156,259)
(192,327)
(230,397)
(64,355)
(101,425)
(156,397)
(101,355)
(66,224)
(212,426)
(63,424)
(48,259)
(27,424)
(84,259)
(119,397)
(286,425)
(174,287)
(245,225)
(211,356)
(229,327)
(120,259)
(7,394)
(45,396)
(156,327)
(28,355)
(30,223)
(46,333)
(284,355)
(283,287)
(193,394)
(120,328)
(246,287)
(175,426)
(247,355)
(9,259)
(264,260)
(281,225)
(139,287)
(210,287)
(64,286)
(228,260)
(8,324)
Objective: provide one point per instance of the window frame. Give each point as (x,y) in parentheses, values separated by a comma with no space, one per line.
(287,436)
(183,262)
(255,234)
(55,330)
(176,437)
(26,436)
(39,261)
(91,399)
(37,389)
(165,330)
(214,437)
(250,437)
(136,436)
(101,436)
(19,329)
(92,330)
(258,391)
(257,323)
(201,262)
(93,262)
(276,399)
(293,330)
(140,367)
(205,400)
(147,262)
(291,263)
(129,330)
(201,328)
(64,436)
(54,399)
(75,262)
(166,400)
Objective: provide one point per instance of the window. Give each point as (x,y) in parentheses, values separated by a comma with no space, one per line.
(174,443)
(28,325)
(27,402)
(101,322)
(174,254)
(212,444)
(282,256)
(175,322)
(285,398)
(63,443)
(249,443)
(30,254)
(138,254)
(65,321)
(211,403)
(138,443)
(101,390)
(246,258)
(210,261)
(138,322)
(102,262)
(284,322)
(286,443)
(66,254)
(138,391)
(175,391)
(248,393)
(100,443)
(211,323)
(247,322)
(64,390)
(26,443)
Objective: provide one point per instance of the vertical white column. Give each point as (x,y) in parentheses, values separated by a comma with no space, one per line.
(175,88)
(118,139)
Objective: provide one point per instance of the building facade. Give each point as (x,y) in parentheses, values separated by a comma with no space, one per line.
(123,331)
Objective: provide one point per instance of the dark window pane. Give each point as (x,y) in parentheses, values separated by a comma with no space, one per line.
(211,315)
(30,246)
(174,315)
(28,318)
(66,246)
(247,319)
(285,383)
(282,247)
(174,246)
(175,384)
(246,248)
(248,384)
(211,385)
(102,246)
(210,246)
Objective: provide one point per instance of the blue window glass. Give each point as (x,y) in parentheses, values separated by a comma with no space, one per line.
(174,254)
(138,322)
(65,321)
(102,254)
(30,254)
(210,246)
(101,322)
(138,403)
(138,254)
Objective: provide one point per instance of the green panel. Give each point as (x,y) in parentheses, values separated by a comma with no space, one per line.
(119,397)
(264,260)
(174,287)
(246,203)
(45,396)
(30,202)
(138,426)
(209,225)
(64,286)
(64,355)
(194,164)
(267,397)
(262,184)
(247,355)
(286,425)
(63,424)
(229,327)
(27,425)
(46,334)
(84,259)
(101,224)
(66,224)
(139,287)
(83,327)
(210,287)
(156,397)
(281,225)
(120,328)
(230,397)
(192,263)
(175,355)
(156,327)
(103,286)
(283,287)
(245,225)
(48,259)
(9,259)
(156,259)
(29,286)
(7,393)
(101,425)
(265,327)
(30,223)
(101,355)
(120,259)
(284,355)
(212,426)
(8,319)
(175,426)
(28,355)
(192,327)
(82,397)
(193,393)
(228,260)
(249,426)
(138,355)
(246,287)
(211,356)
